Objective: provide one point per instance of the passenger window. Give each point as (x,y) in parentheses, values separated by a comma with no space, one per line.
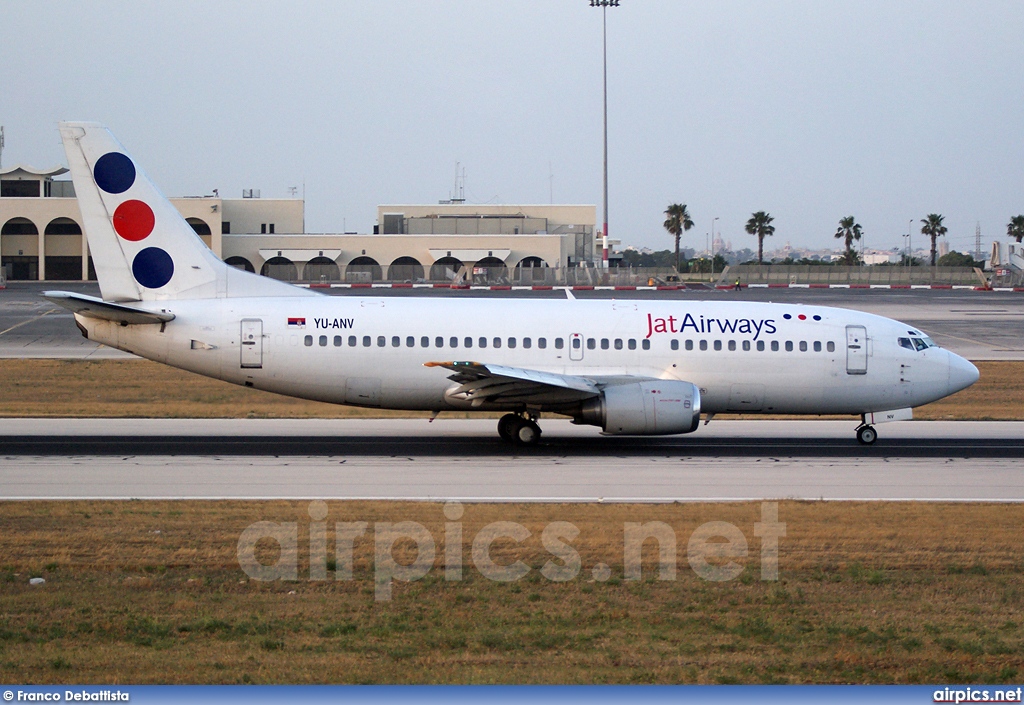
(396,341)
(308,340)
(323,341)
(468,342)
(424,342)
(746,346)
(760,346)
(817,346)
(803,346)
(511,342)
(351,341)
(527,342)
(703,345)
(789,346)
(381,341)
(631,344)
(591,344)
(410,342)
(718,345)
(576,344)
(438,342)
(732,346)
(646,344)
(674,345)
(337,341)
(604,343)
(497,342)
(366,341)
(775,346)
(558,343)
(453,342)
(618,343)
(830,346)
(688,345)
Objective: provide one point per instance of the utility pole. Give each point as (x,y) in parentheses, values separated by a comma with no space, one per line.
(604,5)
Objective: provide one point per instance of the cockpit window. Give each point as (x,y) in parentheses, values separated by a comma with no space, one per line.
(905,343)
(917,344)
(920,344)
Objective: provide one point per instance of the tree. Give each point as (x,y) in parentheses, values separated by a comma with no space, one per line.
(848,231)
(932,227)
(678,221)
(1016,227)
(760,225)
(958,259)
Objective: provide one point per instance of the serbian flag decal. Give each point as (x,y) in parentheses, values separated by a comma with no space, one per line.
(296,322)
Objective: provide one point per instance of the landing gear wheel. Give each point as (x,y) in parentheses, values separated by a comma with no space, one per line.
(507,425)
(527,433)
(866,435)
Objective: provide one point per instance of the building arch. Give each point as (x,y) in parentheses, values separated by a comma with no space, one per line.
(280,268)
(19,249)
(321,269)
(363,269)
(240,263)
(405,269)
(490,270)
(62,245)
(445,269)
(202,229)
(530,269)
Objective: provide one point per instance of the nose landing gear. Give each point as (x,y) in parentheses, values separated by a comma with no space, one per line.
(519,430)
(866,435)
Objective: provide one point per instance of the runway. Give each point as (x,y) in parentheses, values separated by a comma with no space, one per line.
(411,459)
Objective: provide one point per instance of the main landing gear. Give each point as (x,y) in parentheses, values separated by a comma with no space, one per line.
(519,430)
(866,435)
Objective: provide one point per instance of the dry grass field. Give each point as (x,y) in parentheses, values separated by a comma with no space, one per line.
(140,388)
(152,592)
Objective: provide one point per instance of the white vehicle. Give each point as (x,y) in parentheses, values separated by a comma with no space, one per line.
(629,367)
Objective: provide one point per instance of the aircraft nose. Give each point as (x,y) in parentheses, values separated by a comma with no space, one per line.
(962,373)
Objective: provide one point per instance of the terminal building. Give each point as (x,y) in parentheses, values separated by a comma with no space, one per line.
(41,237)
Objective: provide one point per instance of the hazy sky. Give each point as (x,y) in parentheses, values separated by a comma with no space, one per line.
(810,110)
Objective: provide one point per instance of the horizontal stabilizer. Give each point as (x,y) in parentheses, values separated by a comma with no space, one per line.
(92,307)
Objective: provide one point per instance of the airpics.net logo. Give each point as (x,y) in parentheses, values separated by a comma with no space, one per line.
(712,550)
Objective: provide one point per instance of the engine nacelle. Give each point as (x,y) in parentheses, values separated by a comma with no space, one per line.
(658,407)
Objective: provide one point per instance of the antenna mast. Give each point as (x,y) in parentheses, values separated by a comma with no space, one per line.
(977,241)
(1,145)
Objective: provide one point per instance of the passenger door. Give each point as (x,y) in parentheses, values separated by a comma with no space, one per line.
(856,350)
(252,343)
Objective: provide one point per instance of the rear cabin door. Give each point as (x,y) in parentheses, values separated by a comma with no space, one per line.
(856,350)
(252,343)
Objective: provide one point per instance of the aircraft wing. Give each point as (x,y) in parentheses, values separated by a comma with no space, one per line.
(481,382)
(93,307)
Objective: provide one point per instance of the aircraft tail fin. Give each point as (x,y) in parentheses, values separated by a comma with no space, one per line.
(142,247)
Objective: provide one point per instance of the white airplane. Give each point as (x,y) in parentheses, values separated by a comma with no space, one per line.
(630,367)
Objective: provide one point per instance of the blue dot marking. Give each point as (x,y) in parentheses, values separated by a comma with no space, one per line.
(152,267)
(786,316)
(114,172)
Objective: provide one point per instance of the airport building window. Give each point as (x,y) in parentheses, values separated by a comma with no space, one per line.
(337,341)
(803,346)
(425,342)
(674,345)
(618,343)
(646,345)
(438,342)
(511,342)
(604,343)
(323,341)
(775,346)
(703,345)
(308,341)
(760,346)
(746,346)
(688,345)
(732,346)
(351,341)
(631,344)
(381,341)
(497,342)
(396,341)
(366,341)
(817,346)
(830,346)
(453,342)
(789,346)
(483,342)
(718,345)
(591,344)
(527,342)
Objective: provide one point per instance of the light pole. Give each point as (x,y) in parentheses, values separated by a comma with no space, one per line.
(604,5)
(910,243)
(713,221)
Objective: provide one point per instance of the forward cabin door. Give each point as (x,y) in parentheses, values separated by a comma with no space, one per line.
(252,343)
(856,350)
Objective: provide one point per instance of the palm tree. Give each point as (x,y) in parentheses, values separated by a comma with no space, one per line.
(678,221)
(849,230)
(932,227)
(760,224)
(1015,228)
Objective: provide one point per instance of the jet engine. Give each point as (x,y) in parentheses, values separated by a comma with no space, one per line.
(657,407)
